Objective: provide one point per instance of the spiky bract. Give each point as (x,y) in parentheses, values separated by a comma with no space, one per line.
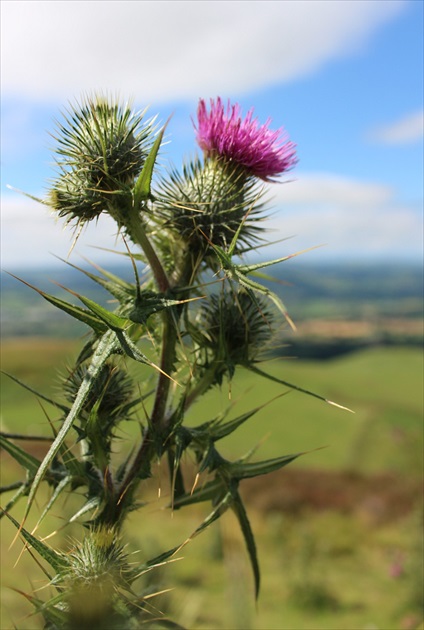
(101,149)
(207,203)
(97,583)
(234,328)
(112,392)
(109,402)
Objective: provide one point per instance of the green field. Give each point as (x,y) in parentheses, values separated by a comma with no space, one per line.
(326,568)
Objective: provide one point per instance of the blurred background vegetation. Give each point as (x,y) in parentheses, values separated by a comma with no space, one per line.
(339,532)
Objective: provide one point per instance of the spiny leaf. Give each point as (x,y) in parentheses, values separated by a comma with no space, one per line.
(245,269)
(245,470)
(142,188)
(56,617)
(56,493)
(27,461)
(239,510)
(117,287)
(76,312)
(114,322)
(149,303)
(222,506)
(106,347)
(205,493)
(220,430)
(33,391)
(130,349)
(91,504)
(235,272)
(57,561)
(20,493)
(157,561)
(296,387)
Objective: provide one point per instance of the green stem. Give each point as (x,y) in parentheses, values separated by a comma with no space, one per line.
(158,420)
(138,235)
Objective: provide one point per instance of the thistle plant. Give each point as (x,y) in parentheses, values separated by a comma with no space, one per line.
(199,314)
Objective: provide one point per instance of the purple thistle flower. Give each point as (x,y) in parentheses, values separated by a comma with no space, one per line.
(256,148)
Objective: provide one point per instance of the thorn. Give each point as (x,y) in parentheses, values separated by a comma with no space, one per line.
(330,402)
(196,481)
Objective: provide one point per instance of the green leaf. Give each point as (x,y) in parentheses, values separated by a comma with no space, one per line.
(221,430)
(33,391)
(142,188)
(222,506)
(72,464)
(75,311)
(130,349)
(91,504)
(237,273)
(296,387)
(106,347)
(239,510)
(20,493)
(56,493)
(57,561)
(114,322)
(245,470)
(117,287)
(157,561)
(149,303)
(27,461)
(254,267)
(206,493)
(55,615)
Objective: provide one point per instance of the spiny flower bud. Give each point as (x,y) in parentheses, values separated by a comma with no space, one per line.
(235,328)
(113,388)
(101,149)
(207,203)
(97,576)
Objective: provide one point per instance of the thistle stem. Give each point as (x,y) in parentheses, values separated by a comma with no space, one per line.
(136,231)
(158,420)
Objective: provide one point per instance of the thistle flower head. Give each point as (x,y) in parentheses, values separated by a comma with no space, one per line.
(207,203)
(97,582)
(111,393)
(101,148)
(235,328)
(109,402)
(255,148)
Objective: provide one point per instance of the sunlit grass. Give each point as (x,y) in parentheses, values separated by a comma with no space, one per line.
(345,560)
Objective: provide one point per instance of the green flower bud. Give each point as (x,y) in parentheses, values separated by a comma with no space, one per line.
(101,149)
(207,204)
(234,329)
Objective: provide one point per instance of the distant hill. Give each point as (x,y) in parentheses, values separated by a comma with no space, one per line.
(322,293)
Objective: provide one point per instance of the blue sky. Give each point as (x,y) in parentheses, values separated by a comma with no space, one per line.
(345,78)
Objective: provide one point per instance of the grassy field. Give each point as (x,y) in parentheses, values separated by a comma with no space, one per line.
(327,567)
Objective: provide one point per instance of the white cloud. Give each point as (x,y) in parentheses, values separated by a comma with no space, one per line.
(157,51)
(408,129)
(326,188)
(351,218)
(354,219)
(31,236)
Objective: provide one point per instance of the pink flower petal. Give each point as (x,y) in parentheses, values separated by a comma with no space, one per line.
(262,152)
